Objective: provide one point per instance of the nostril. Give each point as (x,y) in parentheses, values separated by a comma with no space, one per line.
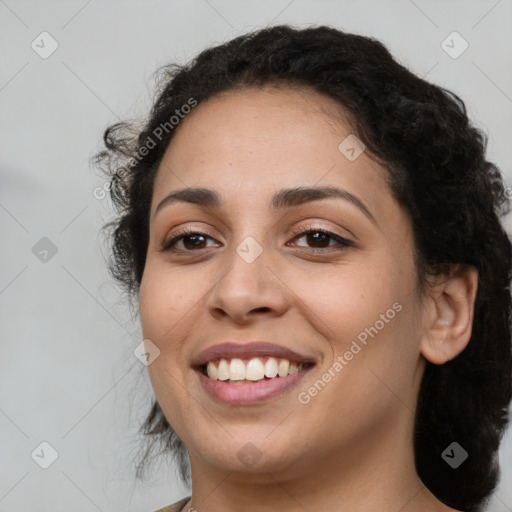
(263,309)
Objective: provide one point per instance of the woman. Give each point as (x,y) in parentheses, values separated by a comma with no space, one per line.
(313,235)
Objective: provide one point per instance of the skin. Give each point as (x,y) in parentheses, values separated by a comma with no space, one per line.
(350,447)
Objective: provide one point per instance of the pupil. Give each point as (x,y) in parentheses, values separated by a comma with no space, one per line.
(192,237)
(317,238)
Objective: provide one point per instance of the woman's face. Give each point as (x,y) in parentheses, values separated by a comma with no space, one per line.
(342,296)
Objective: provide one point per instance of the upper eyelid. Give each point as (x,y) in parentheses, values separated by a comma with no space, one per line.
(187,231)
(310,224)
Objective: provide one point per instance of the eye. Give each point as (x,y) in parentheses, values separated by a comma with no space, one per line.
(321,239)
(189,239)
(318,240)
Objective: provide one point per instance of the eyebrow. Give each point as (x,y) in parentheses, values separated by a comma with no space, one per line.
(285,198)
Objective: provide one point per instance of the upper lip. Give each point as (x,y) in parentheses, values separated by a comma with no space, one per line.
(230,350)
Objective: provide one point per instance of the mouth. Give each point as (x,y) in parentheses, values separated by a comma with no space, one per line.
(238,371)
(248,374)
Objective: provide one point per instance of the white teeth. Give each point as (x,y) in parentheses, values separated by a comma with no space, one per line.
(255,371)
(211,370)
(284,365)
(223,370)
(271,367)
(237,369)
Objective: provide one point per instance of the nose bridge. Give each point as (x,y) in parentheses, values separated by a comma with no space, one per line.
(250,250)
(251,242)
(247,267)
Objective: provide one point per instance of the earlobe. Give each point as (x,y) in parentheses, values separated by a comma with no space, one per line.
(451,301)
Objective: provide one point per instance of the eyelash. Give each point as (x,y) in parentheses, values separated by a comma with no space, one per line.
(342,242)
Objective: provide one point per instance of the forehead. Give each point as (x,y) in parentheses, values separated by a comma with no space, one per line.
(268,137)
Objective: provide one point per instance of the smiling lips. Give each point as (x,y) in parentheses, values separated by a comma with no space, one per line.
(245,374)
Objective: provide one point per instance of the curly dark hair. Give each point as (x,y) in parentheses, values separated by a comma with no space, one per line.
(438,172)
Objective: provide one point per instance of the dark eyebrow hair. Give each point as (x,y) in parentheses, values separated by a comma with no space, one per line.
(285,198)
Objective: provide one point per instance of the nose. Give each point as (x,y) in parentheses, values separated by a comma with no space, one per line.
(248,291)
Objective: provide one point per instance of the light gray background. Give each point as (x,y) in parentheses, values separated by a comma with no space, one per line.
(68,373)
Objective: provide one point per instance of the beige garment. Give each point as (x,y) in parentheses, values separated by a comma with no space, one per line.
(175,507)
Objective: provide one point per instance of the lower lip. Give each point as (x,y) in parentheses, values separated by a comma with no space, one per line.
(248,394)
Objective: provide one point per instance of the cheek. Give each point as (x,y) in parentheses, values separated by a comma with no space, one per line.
(350,299)
(166,296)
(368,315)
(166,303)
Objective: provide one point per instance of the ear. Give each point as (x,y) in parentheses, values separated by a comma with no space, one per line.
(450,306)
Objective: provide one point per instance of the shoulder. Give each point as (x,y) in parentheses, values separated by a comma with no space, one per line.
(175,507)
